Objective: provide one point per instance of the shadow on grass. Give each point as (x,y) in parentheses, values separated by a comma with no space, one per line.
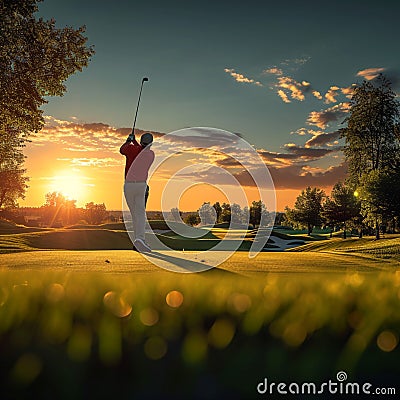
(189,265)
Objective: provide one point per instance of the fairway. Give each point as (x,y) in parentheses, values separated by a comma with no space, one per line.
(126,261)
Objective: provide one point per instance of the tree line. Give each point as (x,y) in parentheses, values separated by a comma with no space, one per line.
(257,214)
(58,211)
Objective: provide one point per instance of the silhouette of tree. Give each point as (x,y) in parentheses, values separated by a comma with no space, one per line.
(341,206)
(36,58)
(307,208)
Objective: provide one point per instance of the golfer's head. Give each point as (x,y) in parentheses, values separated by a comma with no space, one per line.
(146,139)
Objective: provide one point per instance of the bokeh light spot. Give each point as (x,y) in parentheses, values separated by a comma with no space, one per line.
(294,334)
(79,344)
(221,333)
(174,299)
(240,302)
(194,348)
(117,305)
(148,316)
(26,369)
(387,341)
(155,347)
(55,292)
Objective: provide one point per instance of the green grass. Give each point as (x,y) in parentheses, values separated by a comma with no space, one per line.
(386,248)
(77,330)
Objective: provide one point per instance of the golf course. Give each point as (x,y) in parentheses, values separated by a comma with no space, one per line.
(82,314)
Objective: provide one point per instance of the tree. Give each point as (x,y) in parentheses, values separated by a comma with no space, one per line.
(379,194)
(192,219)
(13,183)
(226,212)
(258,210)
(95,213)
(307,208)
(36,58)
(236,214)
(218,210)
(341,207)
(207,214)
(51,210)
(371,134)
(59,210)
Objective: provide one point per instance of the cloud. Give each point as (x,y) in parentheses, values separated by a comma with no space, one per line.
(323,118)
(272,157)
(307,153)
(96,145)
(331,94)
(283,96)
(299,176)
(370,73)
(296,61)
(295,154)
(241,78)
(93,162)
(273,71)
(348,91)
(323,139)
(305,131)
(317,94)
(83,137)
(290,87)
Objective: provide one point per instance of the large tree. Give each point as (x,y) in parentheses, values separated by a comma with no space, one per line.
(36,58)
(258,213)
(371,134)
(379,194)
(13,181)
(307,208)
(341,206)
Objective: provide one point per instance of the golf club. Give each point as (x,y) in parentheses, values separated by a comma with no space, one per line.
(137,107)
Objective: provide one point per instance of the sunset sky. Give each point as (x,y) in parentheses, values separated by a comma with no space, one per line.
(279,74)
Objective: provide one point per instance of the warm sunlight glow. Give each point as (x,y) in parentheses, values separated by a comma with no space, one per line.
(70,184)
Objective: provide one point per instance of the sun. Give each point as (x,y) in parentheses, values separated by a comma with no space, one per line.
(70,184)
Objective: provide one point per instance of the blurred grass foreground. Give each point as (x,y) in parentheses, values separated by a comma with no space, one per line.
(75,335)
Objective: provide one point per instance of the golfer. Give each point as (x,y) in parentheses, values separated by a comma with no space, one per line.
(139,158)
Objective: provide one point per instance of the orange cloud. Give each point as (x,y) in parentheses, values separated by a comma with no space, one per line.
(299,176)
(273,71)
(349,91)
(370,73)
(283,96)
(331,94)
(332,114)
(241,78)
(317,94)
(295,89)
(323,139)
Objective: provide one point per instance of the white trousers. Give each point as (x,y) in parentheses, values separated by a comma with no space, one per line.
(134,195)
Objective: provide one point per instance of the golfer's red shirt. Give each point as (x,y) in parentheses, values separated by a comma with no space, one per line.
(130,150)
